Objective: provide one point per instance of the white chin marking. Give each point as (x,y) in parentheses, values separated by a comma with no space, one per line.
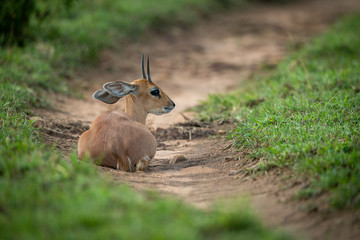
(157,113)
(163,111)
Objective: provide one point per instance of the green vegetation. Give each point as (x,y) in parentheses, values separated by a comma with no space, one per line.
(305,116)
(63,35)
(18,17)
(46,196)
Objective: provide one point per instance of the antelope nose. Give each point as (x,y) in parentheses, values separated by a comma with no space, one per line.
(173,104)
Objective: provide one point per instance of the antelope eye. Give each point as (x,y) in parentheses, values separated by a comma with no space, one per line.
(155,92)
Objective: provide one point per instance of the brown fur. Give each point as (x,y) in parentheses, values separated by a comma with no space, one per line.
(144,102)
(129,139)
(115,136)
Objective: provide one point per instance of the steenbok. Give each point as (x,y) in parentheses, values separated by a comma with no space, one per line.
(121,140)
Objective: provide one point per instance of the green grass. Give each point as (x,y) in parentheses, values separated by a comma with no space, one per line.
(44,195)
(309,120)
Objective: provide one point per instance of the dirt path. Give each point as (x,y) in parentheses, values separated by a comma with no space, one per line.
(213,56)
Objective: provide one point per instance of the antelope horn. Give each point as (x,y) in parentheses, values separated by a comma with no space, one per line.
(142,67)
(148,69)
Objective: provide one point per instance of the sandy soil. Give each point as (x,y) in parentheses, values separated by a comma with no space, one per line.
(216,55)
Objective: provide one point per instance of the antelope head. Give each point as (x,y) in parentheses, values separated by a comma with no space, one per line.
(142,96)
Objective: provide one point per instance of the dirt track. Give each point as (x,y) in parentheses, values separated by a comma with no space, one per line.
(214,56)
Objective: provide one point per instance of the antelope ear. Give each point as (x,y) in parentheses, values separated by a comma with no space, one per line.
(104,96)
(119,89)
(113,91)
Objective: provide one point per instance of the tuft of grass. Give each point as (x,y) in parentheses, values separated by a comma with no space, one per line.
(306,115)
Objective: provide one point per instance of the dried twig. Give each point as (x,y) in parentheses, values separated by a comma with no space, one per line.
(228,146)
(185,117)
